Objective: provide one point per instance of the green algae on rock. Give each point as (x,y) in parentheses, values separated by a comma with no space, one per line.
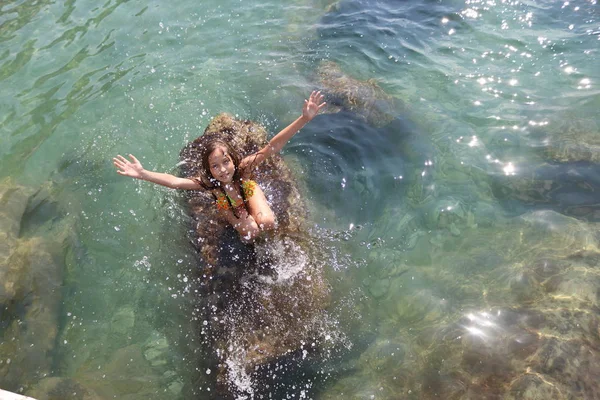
(264,301)
(365,98)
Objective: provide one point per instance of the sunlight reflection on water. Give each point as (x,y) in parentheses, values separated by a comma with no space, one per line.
(461,175)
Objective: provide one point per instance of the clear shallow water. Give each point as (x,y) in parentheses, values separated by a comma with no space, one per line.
(497,116)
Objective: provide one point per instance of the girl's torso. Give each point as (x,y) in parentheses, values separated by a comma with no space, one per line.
(235,197)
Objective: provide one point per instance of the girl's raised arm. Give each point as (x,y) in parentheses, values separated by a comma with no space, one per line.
(135,170)
(311,108)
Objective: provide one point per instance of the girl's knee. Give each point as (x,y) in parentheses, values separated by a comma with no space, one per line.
(266,221)
(249,230)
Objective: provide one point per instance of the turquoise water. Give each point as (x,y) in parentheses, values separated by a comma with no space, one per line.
(449,229)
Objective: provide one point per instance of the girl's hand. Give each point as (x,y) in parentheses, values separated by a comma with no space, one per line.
(313,105)
(125,167)
(242,213)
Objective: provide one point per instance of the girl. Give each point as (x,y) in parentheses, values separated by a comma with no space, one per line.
(239,199)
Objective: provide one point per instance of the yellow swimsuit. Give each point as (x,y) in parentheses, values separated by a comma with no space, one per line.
(224,202)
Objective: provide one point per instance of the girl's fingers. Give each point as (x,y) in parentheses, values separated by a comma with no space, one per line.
(122,159)
(135,160)
(322,105)
(315,97)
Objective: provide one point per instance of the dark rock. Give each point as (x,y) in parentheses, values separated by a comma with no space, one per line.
(365,98)
(265,301)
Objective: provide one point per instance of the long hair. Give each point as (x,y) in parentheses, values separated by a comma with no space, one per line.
(209,181)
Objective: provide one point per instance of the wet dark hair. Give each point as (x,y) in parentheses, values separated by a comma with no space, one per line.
(209,181)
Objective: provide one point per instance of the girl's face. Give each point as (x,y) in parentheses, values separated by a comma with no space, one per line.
(221,165)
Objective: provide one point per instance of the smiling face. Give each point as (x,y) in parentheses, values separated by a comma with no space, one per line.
(221,165)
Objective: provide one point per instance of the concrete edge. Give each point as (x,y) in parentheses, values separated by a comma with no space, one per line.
(4,395)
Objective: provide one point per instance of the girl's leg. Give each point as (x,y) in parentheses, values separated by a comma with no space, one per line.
(260,210)
(247,228)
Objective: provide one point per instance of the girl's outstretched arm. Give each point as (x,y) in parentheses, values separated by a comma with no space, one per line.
(135,170)
(311,108)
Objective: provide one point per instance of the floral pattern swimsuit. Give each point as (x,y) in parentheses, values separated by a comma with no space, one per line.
(225,202)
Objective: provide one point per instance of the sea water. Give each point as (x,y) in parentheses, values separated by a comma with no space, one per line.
(461,234)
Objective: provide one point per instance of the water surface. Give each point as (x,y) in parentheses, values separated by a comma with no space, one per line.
(460,233)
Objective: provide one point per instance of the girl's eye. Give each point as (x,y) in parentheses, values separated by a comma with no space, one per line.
(226,161)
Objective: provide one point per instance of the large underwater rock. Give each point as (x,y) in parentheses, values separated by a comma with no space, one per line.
(570,188)
(365,98)
(571,137)
(260,302)
(504,312)
(31,276)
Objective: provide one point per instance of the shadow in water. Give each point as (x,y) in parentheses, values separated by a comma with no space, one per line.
(355,168)
(570,188)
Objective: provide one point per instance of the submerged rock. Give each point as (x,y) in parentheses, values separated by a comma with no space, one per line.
(571,188)
(31,277)
(512,313)
(573,138)
(264,301)
(365,98)
(156,350)
(56,388)
(13,199)
(126,375)
(122,321)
